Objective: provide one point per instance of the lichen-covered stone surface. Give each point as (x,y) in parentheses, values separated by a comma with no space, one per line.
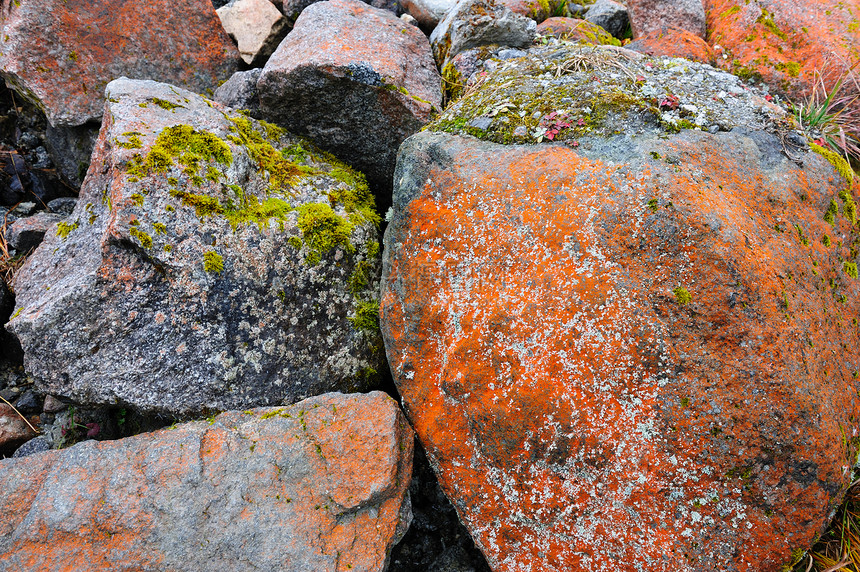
(574,29)
(785,43)
(675,43)
(61,55)
(212,262)
(321,485)
(357,81)
(636,353)
(648,16)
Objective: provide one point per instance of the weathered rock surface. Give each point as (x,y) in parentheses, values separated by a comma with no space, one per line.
(240,92)
(317,486)
(673,42)
(26,233)
(14,431)
(576,30)
(634,351)
(231,265)
(357,81)
(427,12)
(61,55)
(256,25)
(785,43)
(537,10)
(474,23)
(609,15)
(648,16)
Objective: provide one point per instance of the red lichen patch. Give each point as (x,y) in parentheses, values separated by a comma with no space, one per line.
(574,29)
(676,43)
(63,54)
(783,43)
(640,366)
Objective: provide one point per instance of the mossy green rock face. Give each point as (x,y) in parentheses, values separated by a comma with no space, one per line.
(212,262)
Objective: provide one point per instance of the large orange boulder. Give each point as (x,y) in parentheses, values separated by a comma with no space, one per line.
(321,485)
(784,43)
(61,54)
(638,349)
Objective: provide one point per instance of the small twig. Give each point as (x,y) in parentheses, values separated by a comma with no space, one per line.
(19,415)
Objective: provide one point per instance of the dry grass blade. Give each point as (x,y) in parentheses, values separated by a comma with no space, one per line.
(599,60)
(20,415)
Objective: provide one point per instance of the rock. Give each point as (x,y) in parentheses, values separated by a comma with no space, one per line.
(652,16)
(232,265)
(70,149)
(256,25)
(428,12)
(634,344)
(609,15)
(35,445)
(575,30)
(53,405)
(537,10)
(240,92)
(317,486)
(61,55)
(26,234)
(474,23)
(14,431)
(674,43)
(356,80)
(785,43)
(29,402)
(63,205)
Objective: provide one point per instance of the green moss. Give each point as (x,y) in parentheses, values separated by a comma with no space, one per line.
(64,228)
(767,21)
(164,104)
(682,296)
(203,205)
(322,230)
(848,206)
(831,212)
(184,145)
(652,204)
(825,240)
(73,56)
(282,173)
(366,316)
(213,262)
(730,11)
(850,269)
(137,199)
(360,278)
(134,141)
(453,84)
(159,228)
(685,402)
(168,248)
(839,163)
(143,238)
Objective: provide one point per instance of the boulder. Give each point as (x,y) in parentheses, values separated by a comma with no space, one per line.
(61,55)
(427,12)
(649,16)
(609,15)
(317,486)
(231,263)
(537,10)
(576,30)
(474,23)
(785,44)
(631,348)
(14,430)
(240,92)
(675,43)
(256,25)
(357,81)
(27,233)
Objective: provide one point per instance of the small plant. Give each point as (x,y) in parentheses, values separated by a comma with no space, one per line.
(682,295)
(831,117)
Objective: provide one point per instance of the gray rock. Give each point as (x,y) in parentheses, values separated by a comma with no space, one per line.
(256,26)
(473,23)
(70,149)
(240,92)
(320,486)
(428,13)
(35,445)
(357,81)
(225,273)
(609,15)
(26,234)
(63,205)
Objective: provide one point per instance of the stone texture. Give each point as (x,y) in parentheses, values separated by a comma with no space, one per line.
(317,486)
(61,55)
(609,15)
(785,43)
(70,149)
(427,12)
(14,431)
(357,81)
(225,273)
(649,16)
(240,92)
(256,25)
(633,351)
(673,42)
(537,10)
(474,23)
(27,233)
(576,30)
